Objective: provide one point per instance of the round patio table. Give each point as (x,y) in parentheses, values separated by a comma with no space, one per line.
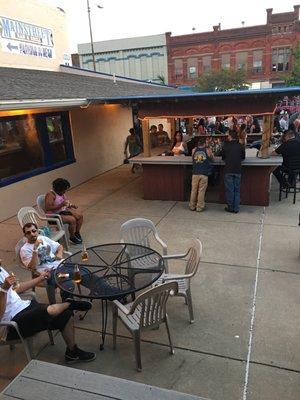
(109,272)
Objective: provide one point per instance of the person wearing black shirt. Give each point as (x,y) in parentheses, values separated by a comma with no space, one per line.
(289,149)
(233,153)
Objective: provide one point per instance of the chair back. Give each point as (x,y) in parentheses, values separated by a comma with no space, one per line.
(40,203)
(195,253)
(18,247)
(294,163)
(27,214)
(150,306)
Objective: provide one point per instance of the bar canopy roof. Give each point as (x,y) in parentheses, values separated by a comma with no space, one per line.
(255,102)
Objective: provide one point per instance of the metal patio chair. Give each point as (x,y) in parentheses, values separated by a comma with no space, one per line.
(27,342)
(146,312)
(192,261)
(29,214)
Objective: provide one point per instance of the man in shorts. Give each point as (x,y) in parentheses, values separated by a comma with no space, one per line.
(33,317)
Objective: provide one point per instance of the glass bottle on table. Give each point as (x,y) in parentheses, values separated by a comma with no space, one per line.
(76,275)
(84,254)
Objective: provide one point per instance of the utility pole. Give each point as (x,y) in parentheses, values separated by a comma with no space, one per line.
(91,33)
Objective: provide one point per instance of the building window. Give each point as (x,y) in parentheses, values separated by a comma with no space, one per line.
(178,65)
(241,60)
(225,61)
(206,62)
(32,144)
(280,59)
(192,66)
(257,61)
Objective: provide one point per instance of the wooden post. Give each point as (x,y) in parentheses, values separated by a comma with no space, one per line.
(265,140)
(146,138)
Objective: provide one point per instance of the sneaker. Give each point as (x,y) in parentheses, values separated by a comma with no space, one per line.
(77,354)
(78,305)
(192,208)
(228,209)
(77,234)
(75,240)
(200,209)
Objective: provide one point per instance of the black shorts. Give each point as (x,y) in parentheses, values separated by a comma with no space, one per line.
(35,318)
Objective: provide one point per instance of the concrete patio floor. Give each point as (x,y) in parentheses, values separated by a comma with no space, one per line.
(244,343)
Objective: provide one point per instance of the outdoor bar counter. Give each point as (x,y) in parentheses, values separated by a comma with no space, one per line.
(168,178)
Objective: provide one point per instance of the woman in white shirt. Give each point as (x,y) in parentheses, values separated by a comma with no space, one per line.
(179,147)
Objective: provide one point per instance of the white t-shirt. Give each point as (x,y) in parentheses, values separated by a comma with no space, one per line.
(46,254)
(14,304)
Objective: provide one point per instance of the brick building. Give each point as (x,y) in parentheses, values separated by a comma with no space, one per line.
(263,51)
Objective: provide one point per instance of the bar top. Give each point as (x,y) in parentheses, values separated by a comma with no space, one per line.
(187,160)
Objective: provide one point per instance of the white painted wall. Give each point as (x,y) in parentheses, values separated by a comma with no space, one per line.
(38,13)
(99,135)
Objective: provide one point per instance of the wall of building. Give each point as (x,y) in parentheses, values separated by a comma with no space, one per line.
(281,31)
(99,134)
(142,58)
(25,51)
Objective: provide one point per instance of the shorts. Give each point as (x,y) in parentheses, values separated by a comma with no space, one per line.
(35,318)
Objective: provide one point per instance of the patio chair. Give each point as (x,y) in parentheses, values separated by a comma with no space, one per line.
(184,280)
(139,231)
(40,204)
(49,288)
(29,214)
(146,312)
(28,342)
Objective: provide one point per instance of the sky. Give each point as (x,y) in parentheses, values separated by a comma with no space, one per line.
(129,18)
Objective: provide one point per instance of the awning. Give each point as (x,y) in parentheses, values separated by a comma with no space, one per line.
(210,105)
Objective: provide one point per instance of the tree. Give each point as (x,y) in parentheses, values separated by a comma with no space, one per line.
(223,80)
(293,79)
(162,79)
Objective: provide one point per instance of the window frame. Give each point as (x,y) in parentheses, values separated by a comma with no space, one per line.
(42,132)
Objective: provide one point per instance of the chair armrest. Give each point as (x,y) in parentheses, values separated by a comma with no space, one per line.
(162,243)
(67,253)
(57,222)
(12,324)
(121,307)
(57,216)
(175,256)
(176,277)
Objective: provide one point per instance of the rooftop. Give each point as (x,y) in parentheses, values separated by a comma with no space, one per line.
(26,84)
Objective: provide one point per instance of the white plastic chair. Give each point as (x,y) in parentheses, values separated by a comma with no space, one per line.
(139,231)
(29,214)
(28,342)
(184,280)
(49,288)
(40,204)
(146,312)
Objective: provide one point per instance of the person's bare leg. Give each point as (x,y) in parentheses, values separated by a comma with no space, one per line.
(68,334)
(71,221)
(79,220)
(56,309)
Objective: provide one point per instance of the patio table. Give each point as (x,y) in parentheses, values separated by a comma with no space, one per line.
(108,272)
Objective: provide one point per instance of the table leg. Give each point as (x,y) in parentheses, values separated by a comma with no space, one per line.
(103,321)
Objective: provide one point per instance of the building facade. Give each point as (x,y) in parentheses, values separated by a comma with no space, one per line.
(142,57)
(262,51)
(34,35)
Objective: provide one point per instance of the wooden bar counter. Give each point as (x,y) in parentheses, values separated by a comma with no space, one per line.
(168,178)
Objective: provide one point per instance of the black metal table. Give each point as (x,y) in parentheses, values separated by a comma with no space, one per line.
(109,272)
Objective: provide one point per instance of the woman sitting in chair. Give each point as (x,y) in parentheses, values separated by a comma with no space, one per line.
(56,202)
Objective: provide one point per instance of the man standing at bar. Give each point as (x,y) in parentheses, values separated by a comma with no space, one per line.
(233,153)
(202,168)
